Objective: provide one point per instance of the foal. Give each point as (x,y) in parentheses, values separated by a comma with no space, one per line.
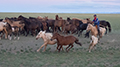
(46,37)
(65,40)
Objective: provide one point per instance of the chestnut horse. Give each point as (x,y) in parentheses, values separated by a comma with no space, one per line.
(70,28)
(59,23)
(65,40)
(75,22)
(46,37)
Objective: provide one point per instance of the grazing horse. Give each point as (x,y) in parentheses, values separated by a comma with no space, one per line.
(65,40)
(3,29)
(46,37)
(105,24)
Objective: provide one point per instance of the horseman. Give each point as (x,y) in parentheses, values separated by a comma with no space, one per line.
(96,23)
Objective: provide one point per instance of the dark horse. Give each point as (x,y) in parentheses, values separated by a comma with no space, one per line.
(31,25)
(65,40)
(75,22)
(83,27)
(105,24)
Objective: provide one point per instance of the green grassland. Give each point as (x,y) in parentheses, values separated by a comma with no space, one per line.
(22,53)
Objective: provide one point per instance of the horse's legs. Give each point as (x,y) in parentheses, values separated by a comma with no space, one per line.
(41,47)
(6,33)
(45,48)
(87,34)
(54,28)
(63,29)
(70,47)
(80,33)
(60,48)
(92,45)
(57,46)
(18,35)
(15,33)
(59,29)
(106,30)
(1,35)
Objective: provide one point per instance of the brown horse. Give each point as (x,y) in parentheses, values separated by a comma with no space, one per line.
(83,20)
(70,28)
(59,23)
(14,23)
(51,24)
(75,22)
(65,40)
(45,27)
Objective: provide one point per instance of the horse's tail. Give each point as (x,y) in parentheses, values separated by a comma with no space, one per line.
(77,42)
(109,26)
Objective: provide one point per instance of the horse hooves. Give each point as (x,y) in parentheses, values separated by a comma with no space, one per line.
(37,50)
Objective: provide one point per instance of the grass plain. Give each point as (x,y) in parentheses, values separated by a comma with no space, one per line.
(22,53)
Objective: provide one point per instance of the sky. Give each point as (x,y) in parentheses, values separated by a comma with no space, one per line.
(60,6)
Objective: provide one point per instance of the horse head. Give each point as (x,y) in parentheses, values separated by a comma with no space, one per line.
(40,34)
(88,27)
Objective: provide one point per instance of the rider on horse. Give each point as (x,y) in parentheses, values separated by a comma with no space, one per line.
(96,23)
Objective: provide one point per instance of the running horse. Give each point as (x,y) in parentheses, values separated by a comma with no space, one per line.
(59,23)
(94,35)
(47,39)
(65,40)
(105,24)
(19,24)
(3,29)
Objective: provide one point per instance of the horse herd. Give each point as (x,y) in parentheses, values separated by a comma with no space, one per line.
(25,26)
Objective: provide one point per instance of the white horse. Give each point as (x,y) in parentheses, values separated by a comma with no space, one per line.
(47,39)
(93,42)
